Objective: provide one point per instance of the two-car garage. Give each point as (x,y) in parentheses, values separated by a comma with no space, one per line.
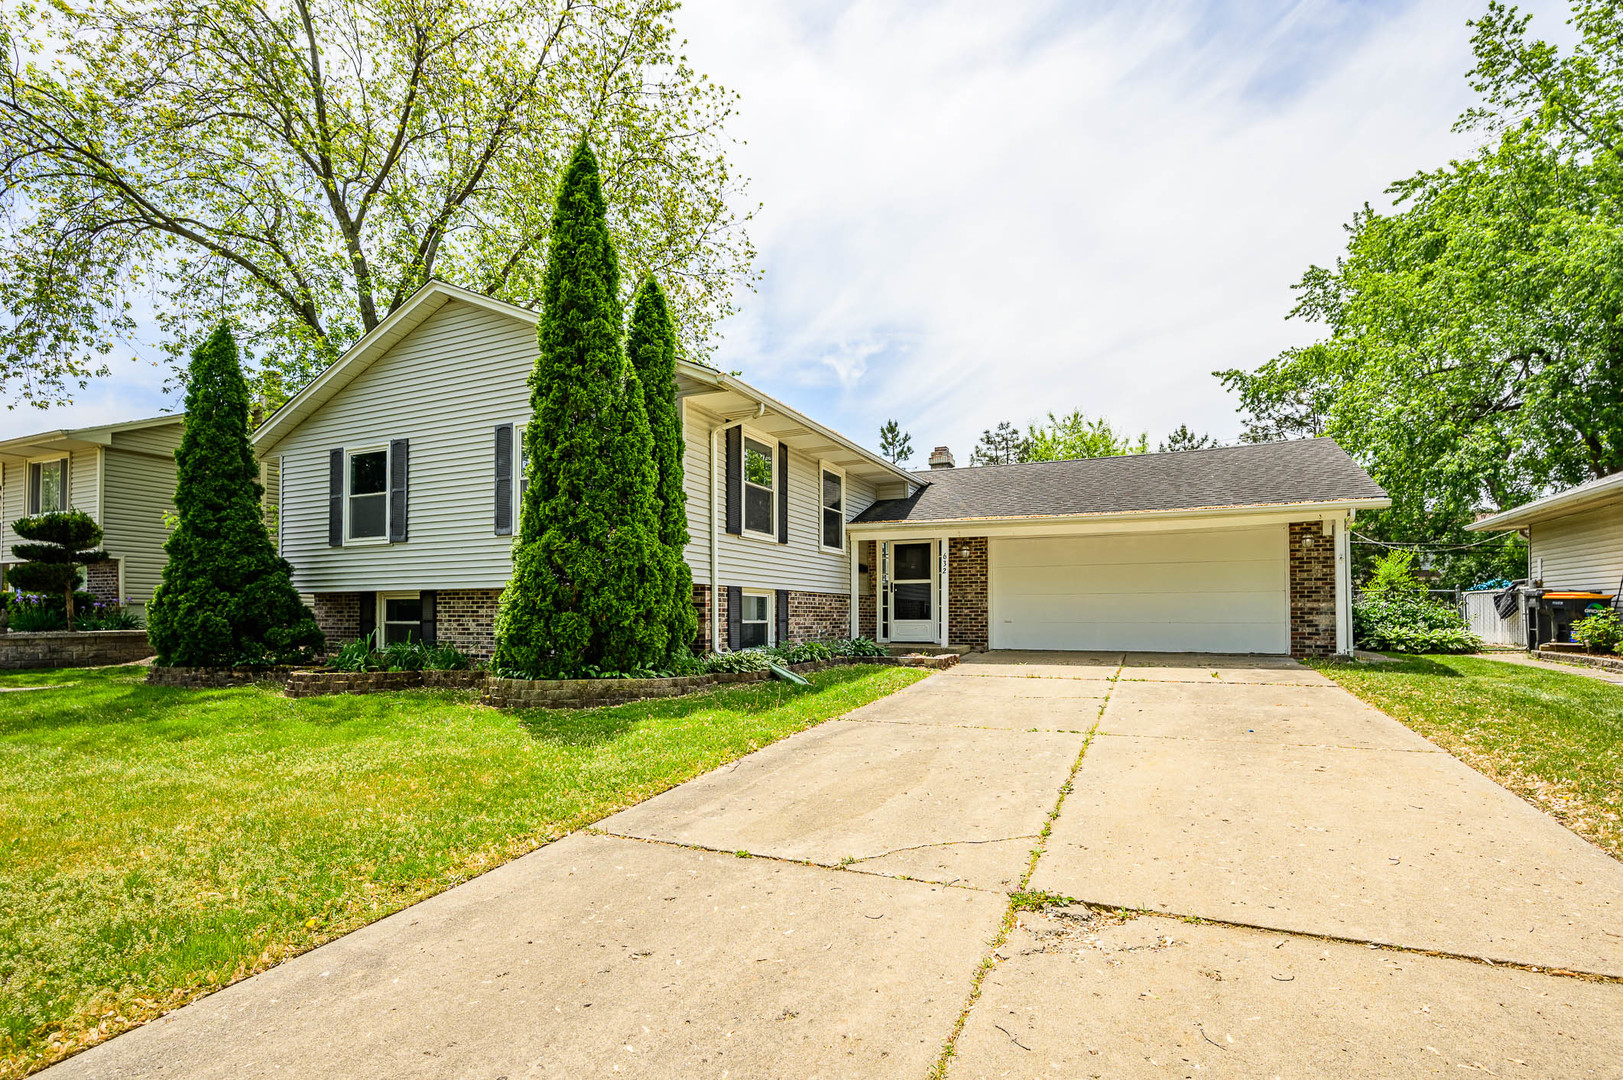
(1217,590)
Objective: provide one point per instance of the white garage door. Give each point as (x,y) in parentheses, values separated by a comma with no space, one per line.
(1222,590)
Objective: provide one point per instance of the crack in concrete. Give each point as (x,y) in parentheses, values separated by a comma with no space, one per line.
(937,843)
(1302,745)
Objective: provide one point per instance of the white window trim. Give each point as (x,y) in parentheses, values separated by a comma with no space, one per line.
(771,616)
(383,598)
(518,470)
(830,467)
(771,535)
(349,455)
(67,481)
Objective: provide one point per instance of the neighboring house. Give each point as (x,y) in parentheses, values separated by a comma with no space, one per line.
(1574,539)
(122,475)
(396,474)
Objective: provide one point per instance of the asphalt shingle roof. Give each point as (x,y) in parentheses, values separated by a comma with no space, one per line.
(1260,474)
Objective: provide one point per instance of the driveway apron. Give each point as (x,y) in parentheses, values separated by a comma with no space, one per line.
(1305,888)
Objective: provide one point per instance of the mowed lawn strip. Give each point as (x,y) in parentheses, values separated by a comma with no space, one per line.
(162,843)
(1553,738)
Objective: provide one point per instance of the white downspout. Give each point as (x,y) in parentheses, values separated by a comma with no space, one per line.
(946,560)
(715,546)
(1344,632)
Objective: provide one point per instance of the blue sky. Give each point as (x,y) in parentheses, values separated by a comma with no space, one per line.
(975,212)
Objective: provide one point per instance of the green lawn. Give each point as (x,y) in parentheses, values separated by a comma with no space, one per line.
(1553,738)
(161,843)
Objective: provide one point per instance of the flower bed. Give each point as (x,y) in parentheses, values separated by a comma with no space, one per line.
(592,693)
(316,683)
(208,678)
(83,648)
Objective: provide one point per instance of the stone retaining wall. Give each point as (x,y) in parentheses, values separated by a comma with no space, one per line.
(593,693)
(82,648)
(207,678)
(1605,663)
(317,683)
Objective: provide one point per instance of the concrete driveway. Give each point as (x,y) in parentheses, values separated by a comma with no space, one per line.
(1306,887)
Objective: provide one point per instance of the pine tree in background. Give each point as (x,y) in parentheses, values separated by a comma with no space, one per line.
(587,564)
(226,597)
(651,350)
(1003,445)
(894,443)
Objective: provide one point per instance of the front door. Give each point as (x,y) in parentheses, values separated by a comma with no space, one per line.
(912,591)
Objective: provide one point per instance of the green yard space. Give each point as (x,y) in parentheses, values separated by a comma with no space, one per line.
(1553,738)
(159,843)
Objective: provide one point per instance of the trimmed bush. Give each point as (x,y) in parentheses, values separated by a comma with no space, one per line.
(1599,632)
(226,598)
(60,543)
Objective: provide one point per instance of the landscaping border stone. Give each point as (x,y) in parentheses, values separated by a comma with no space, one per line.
(78,648)
(595,693)
(207,678)
(1605,663)
(317,683)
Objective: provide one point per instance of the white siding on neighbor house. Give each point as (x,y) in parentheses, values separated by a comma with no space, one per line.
(444,388)
(1582,551)
(83,489)
(763,563)
(140,490)
(160,439)
(270,478)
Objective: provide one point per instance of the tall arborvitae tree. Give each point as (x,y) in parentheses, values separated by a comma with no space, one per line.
(226,597)
(587,566)
(651,349)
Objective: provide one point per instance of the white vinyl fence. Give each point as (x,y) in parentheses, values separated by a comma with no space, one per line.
(1482,618)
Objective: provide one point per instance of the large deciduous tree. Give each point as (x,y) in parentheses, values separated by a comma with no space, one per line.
(1474,350)
(226,597)
(651,349)
(303,167)
(588,567)
(1064,438)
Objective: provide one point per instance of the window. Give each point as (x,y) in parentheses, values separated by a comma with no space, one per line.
(759,474)
(368,495)
(833,510)
(756,620)
(402,618)
(48,486)
(521,475)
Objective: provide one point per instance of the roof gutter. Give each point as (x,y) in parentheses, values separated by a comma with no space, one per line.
(1308,508)
(720,380)
(1597,493)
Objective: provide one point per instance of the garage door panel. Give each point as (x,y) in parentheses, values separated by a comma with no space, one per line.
(1218,591)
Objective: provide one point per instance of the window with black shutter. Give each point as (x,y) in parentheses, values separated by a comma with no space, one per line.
(504,479)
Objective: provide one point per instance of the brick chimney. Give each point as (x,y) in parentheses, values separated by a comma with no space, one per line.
(941,458)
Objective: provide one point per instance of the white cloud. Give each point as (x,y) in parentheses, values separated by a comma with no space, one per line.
(1017,208)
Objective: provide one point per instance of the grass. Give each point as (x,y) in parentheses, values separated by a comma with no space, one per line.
(157,844)
(1553,738)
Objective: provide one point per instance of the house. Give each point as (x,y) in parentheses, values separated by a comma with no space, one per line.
(1574,545)
(122,475)
(395,476)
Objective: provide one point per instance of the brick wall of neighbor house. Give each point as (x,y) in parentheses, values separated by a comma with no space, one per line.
(701,607)
(339,616)
(466,618)
(966,592)
(868,602)
(101,580)
(818,616)
(1313,590)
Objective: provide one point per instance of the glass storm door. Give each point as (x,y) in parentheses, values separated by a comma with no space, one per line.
(912,592)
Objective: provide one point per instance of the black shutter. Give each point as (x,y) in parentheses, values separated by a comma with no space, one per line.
(735,616)
(735,480)
(335,498)
(783,616)
(429,631)
(504,479)
(369,615)
(399,471)
(783,494)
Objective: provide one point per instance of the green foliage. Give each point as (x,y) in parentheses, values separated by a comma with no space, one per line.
(1599,632)
(651,351)
(357,656)
(1474,358)
(1392,577)
(61,542)
(198,155)
(102,615)
(588,563)
(226,598)
(1183,439)
(1410,624)
(1002,445)
(894,443)
(739,662)
(1065,438)
(805,652)
(858,646)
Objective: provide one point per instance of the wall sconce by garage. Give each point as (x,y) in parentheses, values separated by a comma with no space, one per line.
(963,552)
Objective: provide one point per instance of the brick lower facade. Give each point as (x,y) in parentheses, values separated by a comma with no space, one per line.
(1312,590)
(339,616)
(817,616)
(701,608)
(967,620)
(466,619)
(868,602)
(101,581)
